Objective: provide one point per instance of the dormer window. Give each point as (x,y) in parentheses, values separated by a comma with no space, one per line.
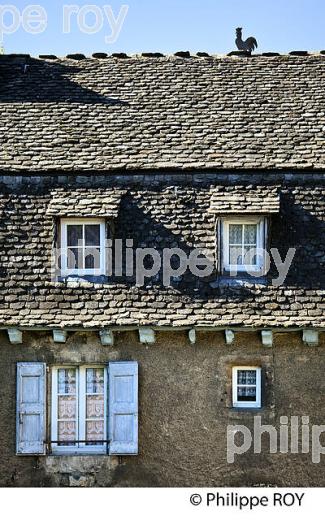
(243,244)
(82,247)
(243,216)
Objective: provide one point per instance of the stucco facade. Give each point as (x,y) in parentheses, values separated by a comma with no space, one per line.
(184,410)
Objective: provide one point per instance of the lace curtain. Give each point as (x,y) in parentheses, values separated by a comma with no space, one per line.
(93,401)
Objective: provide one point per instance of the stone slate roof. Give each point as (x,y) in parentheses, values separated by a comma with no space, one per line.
(147,113)
(240,199)
(161,216)
(84,203)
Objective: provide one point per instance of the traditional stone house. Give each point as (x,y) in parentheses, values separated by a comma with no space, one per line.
(220,153)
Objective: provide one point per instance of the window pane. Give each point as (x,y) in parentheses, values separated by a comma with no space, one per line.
(66,433)
(246,393)
(92,235)
(92,258)
(250,255)
(74,260)
(74,235)
(235,255)
(67,406)
(235,234)
(95,380)
(250,234)
(95,432)
(246,377)
(67,381)
(95,408)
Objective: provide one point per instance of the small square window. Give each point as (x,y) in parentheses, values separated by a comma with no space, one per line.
(243,244)
(246,387)
(82,247)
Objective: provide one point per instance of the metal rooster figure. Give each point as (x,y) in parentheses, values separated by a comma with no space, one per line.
(248,45)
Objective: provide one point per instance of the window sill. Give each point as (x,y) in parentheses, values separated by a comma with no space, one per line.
(266,413)
(83,281)
(78,454)
(240,280)
(246,409)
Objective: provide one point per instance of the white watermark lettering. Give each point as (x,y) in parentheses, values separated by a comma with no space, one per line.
(120,258)
(34,19)
(292,436)
(88,19)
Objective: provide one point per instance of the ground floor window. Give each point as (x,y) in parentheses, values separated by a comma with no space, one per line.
(246,387)
(79,410)
(93,409)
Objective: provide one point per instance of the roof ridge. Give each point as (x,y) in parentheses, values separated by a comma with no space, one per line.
(159,55)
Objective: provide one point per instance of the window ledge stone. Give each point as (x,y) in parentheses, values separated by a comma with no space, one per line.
(238,281)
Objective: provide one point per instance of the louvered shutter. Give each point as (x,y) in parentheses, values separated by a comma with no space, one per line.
(123,408)
(30,422)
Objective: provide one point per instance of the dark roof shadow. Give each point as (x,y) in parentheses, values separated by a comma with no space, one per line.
(306,235)
(304,231)
(151,232)
(40,81)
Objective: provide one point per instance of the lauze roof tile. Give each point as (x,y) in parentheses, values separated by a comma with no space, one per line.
(212,112)
(239,199)
(84,203)
(160,218)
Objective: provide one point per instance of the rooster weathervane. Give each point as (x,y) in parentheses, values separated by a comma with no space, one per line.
(248,45)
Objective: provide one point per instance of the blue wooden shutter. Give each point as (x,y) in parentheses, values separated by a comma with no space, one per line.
(123,408)
(31,395)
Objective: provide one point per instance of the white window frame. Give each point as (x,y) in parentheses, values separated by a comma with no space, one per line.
(246,404)
(82,448)
(261,223)
(64,247)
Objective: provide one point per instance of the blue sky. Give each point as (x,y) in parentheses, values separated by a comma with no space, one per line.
(171,25)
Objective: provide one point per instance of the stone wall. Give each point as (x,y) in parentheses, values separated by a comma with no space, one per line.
(184,410)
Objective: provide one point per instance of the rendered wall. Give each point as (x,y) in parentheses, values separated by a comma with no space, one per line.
(184,410)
